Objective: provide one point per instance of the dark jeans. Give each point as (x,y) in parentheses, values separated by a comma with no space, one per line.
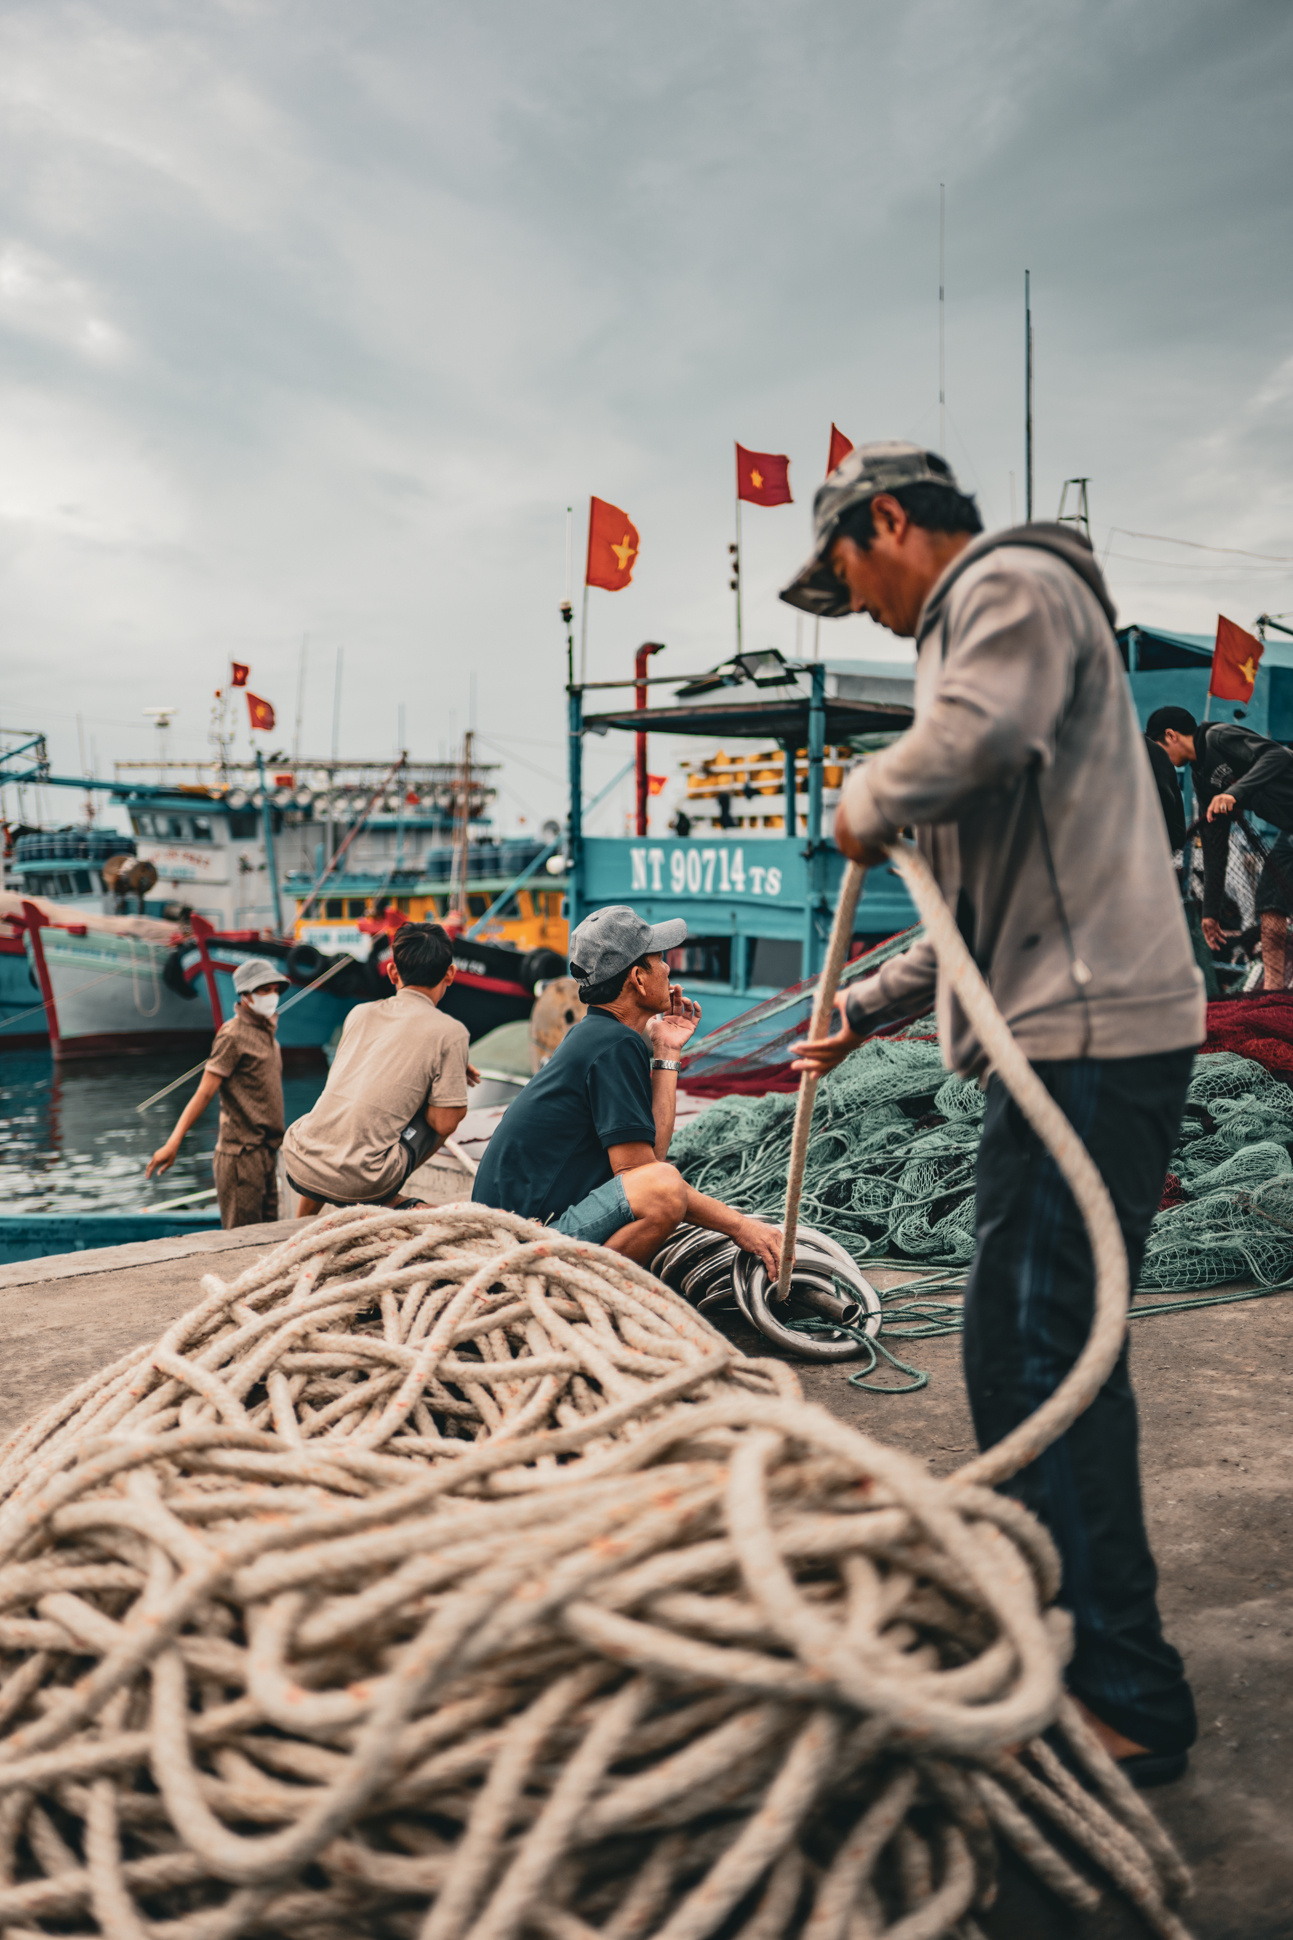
(1028,1311)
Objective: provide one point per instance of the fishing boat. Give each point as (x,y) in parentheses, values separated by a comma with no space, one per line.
(750,862)
(200,884)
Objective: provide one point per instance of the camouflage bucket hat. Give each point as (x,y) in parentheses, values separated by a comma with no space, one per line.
(860,474)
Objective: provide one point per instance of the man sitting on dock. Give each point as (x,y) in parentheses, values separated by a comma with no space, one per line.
(585,1146)
(246,1068)
(396,1091)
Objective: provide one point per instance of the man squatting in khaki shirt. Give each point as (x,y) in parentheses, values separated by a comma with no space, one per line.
(396,1090)
(1025,777)
(246,1068)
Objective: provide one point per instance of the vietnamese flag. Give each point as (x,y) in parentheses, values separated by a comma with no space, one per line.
(612,547)
(762,477)
(260,712)
(240,674)
(840,448)
(1234,662)
(656,784)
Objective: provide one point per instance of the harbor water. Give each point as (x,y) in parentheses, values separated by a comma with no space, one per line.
(72,1140)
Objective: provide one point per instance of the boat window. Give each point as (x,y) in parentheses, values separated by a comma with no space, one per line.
(83,883)
(402,903)
(142,824)
(358,907)
(244,824)
(333,909)
(775,960)
(703,959)
(478,904)
(176,828)
(202,831)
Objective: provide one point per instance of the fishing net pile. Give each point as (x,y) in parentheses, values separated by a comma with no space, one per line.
(891,1164)
(442,1577)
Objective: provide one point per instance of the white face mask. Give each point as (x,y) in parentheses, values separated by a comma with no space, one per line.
(264,1001)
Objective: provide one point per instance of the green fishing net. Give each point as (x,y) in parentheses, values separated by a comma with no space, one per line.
(891,1165)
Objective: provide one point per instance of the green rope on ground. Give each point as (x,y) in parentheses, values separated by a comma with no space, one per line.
(895,1138)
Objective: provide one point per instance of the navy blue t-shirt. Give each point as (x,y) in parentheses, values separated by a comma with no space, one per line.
(549,1151)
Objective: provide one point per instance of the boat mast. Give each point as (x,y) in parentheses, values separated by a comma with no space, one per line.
(462,829)
(1028,404)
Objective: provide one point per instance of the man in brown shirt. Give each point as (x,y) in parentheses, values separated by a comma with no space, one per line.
(246,1068)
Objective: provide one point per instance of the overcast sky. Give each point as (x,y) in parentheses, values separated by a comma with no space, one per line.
(315,317)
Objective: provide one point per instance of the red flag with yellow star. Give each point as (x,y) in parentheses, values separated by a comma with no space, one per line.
(762,477)
(840,448)
(260,712)
(1234,662)
(612,547)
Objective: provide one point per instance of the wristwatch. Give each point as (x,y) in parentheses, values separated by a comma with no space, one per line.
(665,1064)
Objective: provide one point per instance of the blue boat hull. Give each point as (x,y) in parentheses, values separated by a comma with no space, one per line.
(22,1021)
(37,1236)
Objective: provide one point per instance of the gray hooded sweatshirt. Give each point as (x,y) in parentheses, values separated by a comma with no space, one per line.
(1026,779)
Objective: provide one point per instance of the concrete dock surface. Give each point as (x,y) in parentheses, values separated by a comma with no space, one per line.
(1214,1390)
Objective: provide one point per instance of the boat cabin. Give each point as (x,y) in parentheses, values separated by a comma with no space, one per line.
(757,873)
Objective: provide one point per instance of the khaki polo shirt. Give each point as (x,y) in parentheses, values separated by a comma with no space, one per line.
(249,1064)
(395,1058)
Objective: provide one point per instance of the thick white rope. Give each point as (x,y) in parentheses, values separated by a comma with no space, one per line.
(446,1577)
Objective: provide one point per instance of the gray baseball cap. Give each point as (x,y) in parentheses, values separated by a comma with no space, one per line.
(860,474)
(611,939)
(254,973)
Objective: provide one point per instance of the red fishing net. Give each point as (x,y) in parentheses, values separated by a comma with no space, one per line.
(749,1057)
(1259,1026)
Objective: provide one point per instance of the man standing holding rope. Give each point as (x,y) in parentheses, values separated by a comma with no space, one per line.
(1025,779)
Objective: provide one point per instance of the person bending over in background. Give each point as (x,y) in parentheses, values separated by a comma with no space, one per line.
(1024,777)
(246,1068)
(396,1090)
(585,1145)
(1233,769)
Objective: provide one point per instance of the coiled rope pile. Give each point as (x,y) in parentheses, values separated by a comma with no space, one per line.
(442,1577)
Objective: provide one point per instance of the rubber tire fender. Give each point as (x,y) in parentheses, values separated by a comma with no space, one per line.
(174,978)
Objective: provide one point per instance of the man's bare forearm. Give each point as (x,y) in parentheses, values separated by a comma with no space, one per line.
(664,1107)
(712,1213)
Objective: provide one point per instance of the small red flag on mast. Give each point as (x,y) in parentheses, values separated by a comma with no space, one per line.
(612,547)
(260,712)
(1234,662)
(762,477)
(240,674)
(840,448)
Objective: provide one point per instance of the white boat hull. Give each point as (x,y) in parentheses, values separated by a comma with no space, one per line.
(110,998)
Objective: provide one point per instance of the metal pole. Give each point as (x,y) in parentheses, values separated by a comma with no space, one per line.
(300,699)
(817,852)
(1028,404)
(789,819)
(583,639)
(575,760)
(336,707)
(942,424)
(644,653)
(737,574)
(267,816)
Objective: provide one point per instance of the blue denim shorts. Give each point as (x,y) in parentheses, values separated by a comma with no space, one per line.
(595,1218)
